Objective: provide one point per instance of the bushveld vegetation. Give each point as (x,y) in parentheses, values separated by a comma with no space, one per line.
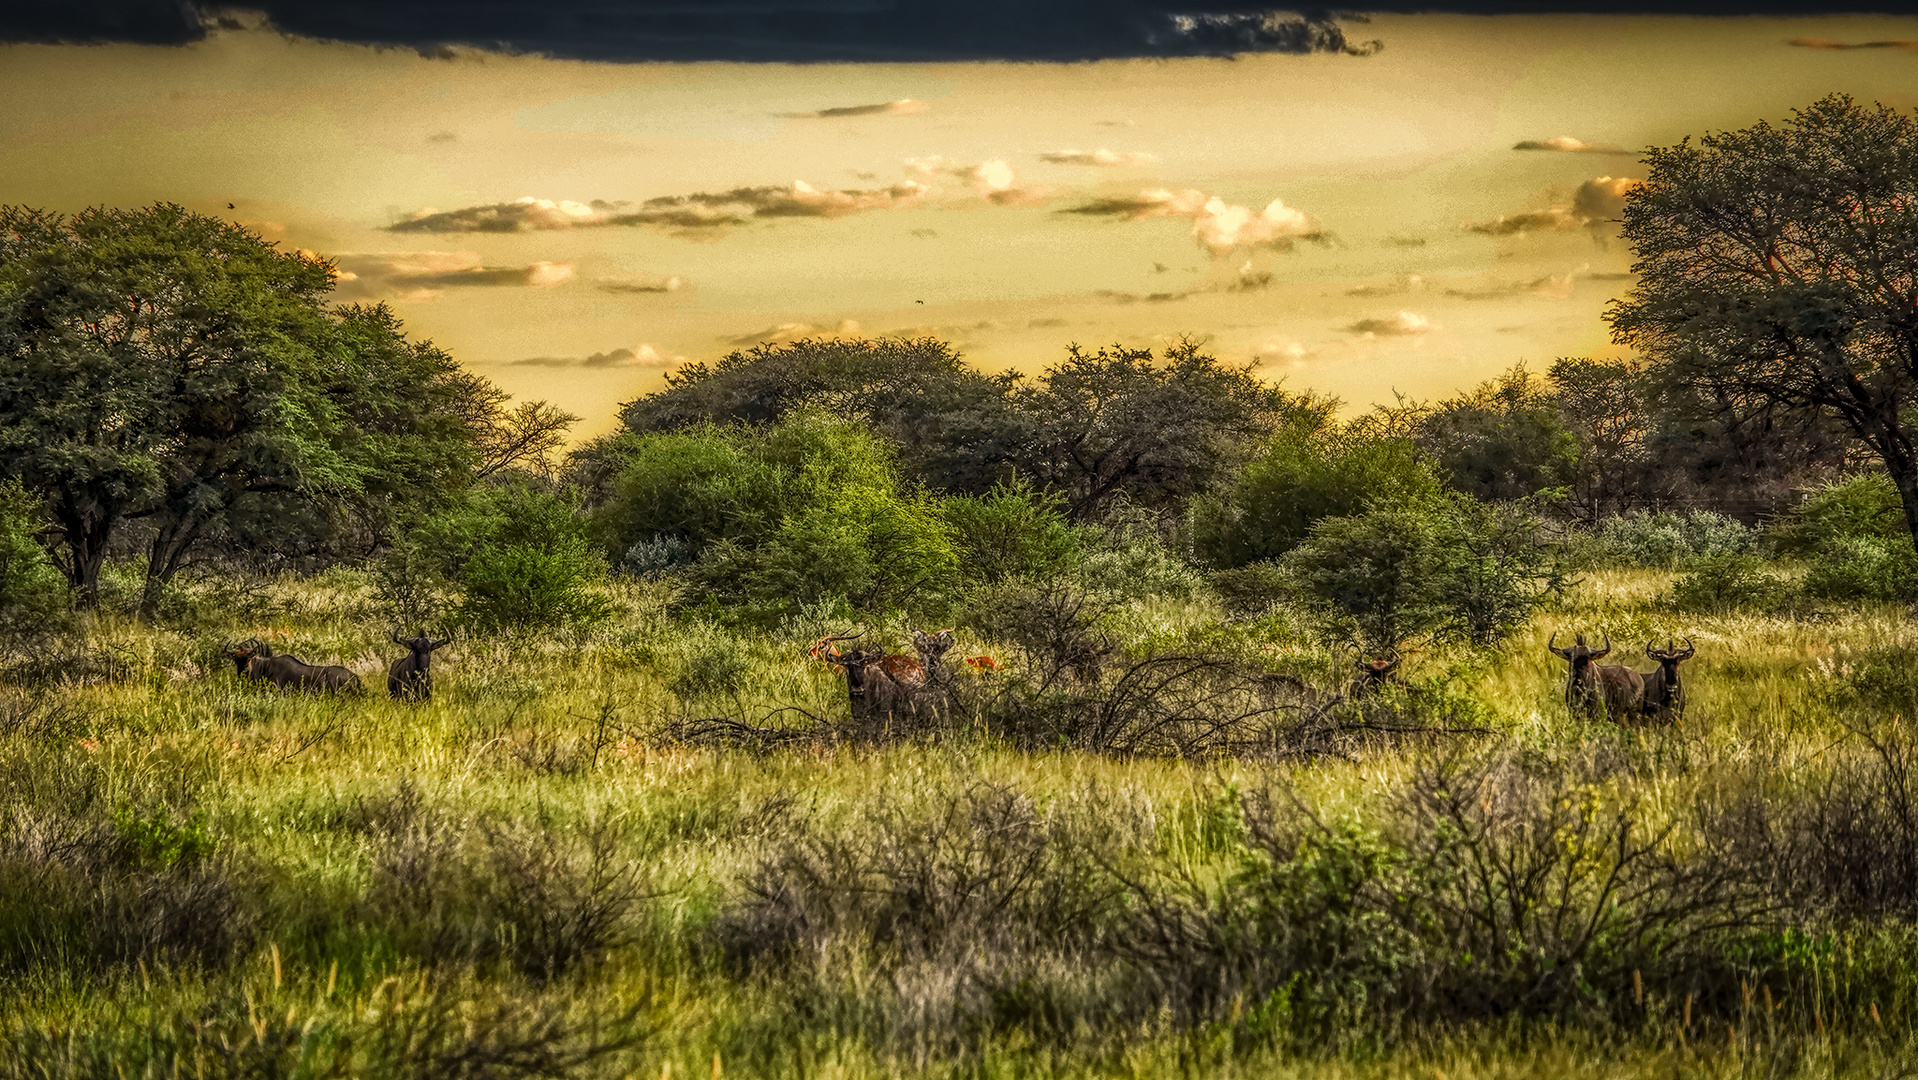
(1244,755)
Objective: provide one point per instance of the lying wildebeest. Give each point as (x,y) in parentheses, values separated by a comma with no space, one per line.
(1664,693)
(255,660)
(409,679)
(1374,674)
(1617,692)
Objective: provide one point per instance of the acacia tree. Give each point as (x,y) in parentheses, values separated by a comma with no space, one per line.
(173,376)
(1778,268)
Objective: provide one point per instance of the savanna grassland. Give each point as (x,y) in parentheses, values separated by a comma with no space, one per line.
(531,875)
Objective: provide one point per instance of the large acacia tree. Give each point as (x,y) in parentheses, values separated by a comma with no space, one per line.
(173,377)
(1778,268)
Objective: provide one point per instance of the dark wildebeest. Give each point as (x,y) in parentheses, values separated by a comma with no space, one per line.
(877,701)
(1664,693)
(410,678)
(1373,675)
(257,661)
(1592,689)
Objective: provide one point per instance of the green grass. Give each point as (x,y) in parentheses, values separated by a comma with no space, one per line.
(558,736)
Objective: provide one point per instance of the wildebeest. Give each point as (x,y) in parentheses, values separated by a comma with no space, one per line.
(255,660)
(411,678)
(1664,693)
(1590,688)
(1373,675)
(876,700)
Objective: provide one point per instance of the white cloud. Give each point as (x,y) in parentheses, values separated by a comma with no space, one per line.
(1565,144)
(1218,226)
(645,354)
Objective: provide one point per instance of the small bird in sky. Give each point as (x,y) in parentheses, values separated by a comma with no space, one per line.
(918,301)
(229,206)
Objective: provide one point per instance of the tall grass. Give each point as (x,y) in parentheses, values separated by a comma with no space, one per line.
(526,876)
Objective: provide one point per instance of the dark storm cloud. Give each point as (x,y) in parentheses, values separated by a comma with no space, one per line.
(815,30)
(738,30)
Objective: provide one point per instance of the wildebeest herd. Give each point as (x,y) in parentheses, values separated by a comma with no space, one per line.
(887,689)
(409,679)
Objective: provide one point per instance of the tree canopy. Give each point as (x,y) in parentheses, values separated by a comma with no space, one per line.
(172,377)
(1778,268)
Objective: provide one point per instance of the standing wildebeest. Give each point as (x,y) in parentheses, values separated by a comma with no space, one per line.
(1591,688)
(1664,693)
(409,679)
(1373,675)
(876,700)
(256,660)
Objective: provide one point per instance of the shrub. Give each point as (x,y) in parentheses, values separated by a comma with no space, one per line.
(1726,583)
(1499,569)
(1862,506)
(530,564)
(1304,476)
(1252,589)
(33,594)
(1377,577)
(1662,539)
(1868,568)
(1014,530)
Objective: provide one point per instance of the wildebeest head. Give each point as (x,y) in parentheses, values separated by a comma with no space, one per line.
(420,646)
(1670,657)
(1580,655)
(244,653)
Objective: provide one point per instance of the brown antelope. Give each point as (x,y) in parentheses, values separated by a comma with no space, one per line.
(411,678)
(876,700)
(1664,693)
(1594,689)
(1373,675)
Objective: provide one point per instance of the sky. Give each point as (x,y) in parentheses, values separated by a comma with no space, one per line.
(1403,204)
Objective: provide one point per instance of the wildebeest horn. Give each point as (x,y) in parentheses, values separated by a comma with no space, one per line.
(1606,649)
(1689,650)
(1552,646)
(395,635)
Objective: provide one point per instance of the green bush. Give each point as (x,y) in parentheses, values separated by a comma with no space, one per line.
(1725,583)
(1660,539)
(1499,569)
(1014,530)
(1304,476)
(530,565)
(873,548)
(33,594)
(1862,506)
(1376,577)
(1867,568)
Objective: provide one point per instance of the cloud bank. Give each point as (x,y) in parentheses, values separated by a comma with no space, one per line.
(1598,200)
(902,107)
(1565,144)
(646,355)
(423,275)
(700,210)
(1404,324)
(1100,157)
(780,31)
(1218,226)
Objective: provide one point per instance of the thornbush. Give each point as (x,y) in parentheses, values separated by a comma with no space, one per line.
(1725,583)
(33,594)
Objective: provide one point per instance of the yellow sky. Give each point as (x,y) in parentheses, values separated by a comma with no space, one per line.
(1360,281)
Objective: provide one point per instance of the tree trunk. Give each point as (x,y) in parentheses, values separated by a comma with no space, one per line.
(86,543)
(163,561)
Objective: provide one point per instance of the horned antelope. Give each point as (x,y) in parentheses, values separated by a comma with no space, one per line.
(1374,673)
(1664,693)
(411,678)
(1592,689)
(876,700)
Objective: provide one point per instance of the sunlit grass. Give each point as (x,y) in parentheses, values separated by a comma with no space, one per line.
(565,728)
